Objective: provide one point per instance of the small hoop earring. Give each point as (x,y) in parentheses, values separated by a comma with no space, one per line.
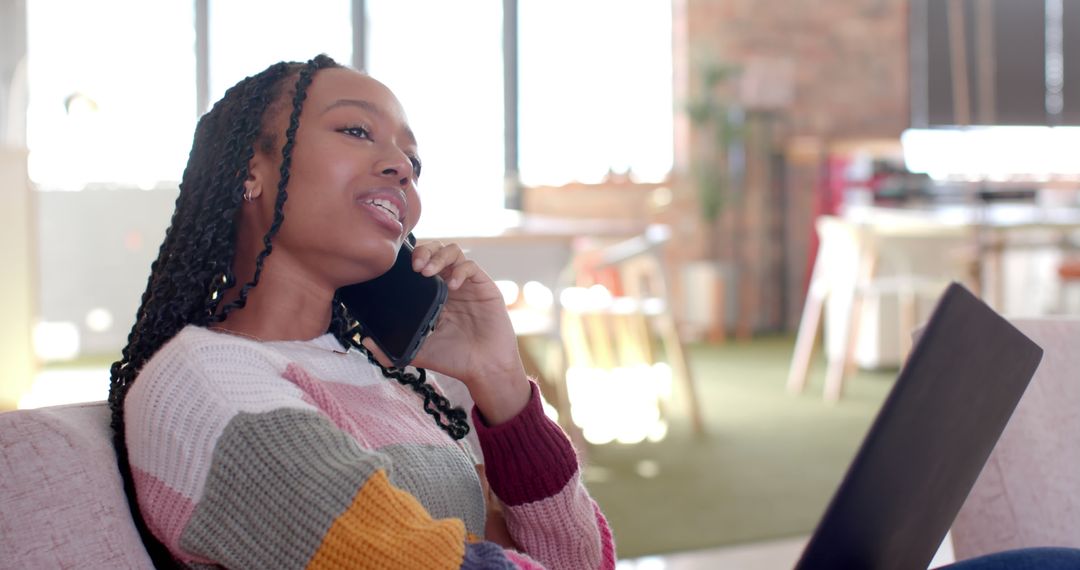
(248,197)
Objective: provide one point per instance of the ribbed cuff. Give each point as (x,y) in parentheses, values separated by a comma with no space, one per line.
(528,457)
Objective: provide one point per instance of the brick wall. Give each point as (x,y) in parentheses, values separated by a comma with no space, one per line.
(842,63)
(830,71)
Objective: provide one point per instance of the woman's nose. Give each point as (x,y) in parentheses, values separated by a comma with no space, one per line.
(397,166)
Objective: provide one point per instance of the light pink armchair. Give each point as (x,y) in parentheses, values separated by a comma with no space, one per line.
(1028,494)
(62,501)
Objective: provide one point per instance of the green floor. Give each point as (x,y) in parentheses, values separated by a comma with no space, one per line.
(766,468)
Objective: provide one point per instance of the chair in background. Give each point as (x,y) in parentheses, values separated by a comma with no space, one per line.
(624,329)
(1028,494)
(857,261)
(1068,277)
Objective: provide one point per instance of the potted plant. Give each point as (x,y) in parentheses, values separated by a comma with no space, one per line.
(715,172)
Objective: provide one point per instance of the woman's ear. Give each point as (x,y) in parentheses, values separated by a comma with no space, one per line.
(252,188)
(256,177)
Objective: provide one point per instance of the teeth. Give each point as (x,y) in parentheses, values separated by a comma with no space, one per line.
(387,205)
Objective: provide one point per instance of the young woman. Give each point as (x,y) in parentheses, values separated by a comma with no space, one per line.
(255,428)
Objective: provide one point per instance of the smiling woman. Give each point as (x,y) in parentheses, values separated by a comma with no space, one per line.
(349,152)
(256,427)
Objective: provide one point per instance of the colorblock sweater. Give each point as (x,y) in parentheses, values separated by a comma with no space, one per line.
(301,455)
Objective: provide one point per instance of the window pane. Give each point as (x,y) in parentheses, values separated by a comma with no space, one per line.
(246,36)
(596,89)
(443,60)
(112,91)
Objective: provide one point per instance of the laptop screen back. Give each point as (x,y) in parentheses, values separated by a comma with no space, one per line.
(929,442)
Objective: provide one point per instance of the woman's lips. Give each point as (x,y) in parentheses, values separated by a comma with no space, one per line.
(386,206)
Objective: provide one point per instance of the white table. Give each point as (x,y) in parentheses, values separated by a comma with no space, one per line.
(852,247)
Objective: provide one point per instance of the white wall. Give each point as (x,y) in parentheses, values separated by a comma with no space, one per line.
(96,247)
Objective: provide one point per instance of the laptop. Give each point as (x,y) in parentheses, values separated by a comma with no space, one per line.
(929,442)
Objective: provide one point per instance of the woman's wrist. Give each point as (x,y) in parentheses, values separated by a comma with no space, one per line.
(500,395)
(527,457)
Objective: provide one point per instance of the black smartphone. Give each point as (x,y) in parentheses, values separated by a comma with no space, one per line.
(397,309)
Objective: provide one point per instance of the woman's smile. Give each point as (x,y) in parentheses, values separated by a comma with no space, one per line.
(387,206)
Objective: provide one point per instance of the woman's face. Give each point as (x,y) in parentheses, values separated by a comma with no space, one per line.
(352,186)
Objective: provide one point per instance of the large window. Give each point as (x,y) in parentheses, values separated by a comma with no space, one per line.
(115,89)
(112,92)
(247,36)
(596,89)
(444,62)
(113,85)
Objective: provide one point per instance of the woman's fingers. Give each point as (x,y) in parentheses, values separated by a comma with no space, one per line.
(431,259)
(449,262)
(460,272)
(422,254)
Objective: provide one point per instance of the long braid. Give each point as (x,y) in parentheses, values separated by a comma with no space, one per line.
(302,83)
(194,264)
(451,419)
(186,279)
(435,404)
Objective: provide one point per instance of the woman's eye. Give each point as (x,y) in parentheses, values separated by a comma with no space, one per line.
(415,166)
(358,132)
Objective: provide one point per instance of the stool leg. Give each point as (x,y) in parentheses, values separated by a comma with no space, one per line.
(681,369)
(908,307)
(840,369)
(837,367)
(809,323)
(804,340)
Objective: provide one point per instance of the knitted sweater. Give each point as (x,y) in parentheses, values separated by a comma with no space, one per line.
(292,454)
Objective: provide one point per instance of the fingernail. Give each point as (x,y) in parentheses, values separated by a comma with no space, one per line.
(417,264)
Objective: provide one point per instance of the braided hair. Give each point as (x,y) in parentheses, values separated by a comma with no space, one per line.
(194,267)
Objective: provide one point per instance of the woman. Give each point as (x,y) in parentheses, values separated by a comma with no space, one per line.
(255,430)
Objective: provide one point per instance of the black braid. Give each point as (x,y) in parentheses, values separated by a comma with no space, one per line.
(194,265)
(451,419)
(302,83)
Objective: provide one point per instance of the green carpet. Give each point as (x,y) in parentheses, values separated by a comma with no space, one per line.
(766,469)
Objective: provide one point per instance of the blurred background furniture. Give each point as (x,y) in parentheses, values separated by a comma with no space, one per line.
(905,259)
(1028,494)
(616,319)
(62,502)
(1068,280)
(527,254)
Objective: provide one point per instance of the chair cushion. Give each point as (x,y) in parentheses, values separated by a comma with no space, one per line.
(62,502)
(1028,494)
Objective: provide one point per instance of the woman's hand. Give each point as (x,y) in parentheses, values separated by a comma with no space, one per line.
(473,339)
(495,528)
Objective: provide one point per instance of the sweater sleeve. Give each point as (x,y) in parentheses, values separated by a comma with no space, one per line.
(533,470)
(273,482)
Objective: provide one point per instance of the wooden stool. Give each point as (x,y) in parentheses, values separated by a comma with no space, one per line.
(846,272)
(622,333)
